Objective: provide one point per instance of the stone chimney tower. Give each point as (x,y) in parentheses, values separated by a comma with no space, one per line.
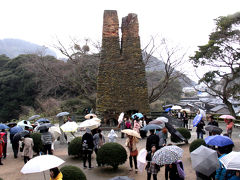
(121,84)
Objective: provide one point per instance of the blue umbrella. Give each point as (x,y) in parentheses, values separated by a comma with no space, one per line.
(43,120)
(3,126)
(15,130)
(167,110)
(151,126)
(197,119)
(139,115)
(218,140)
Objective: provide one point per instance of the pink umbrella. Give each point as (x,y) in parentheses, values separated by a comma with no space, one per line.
(227,117)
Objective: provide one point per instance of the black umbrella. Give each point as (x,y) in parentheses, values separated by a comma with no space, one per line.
(11,124)
(213,129)
(174,132)
(18,136)
(44,126)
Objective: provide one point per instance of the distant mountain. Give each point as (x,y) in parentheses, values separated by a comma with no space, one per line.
(156,65)
(14,47)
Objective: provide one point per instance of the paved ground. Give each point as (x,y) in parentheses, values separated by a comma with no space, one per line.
(12,167)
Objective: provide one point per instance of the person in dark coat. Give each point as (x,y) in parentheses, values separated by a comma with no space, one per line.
(15,146)
(152,139)
(171,171)
(212,122)
(152,168)
(200,129)
(87,146)
(185,119)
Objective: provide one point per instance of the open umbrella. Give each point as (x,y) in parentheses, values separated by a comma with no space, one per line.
(139,115)
(131,132)
(62,114)
(203,113)
(141,159)
(213,129)
(3,126)
(24,124)
(167,110)
(218,140)
(41,164)
(121,178)
(120,118)
(44,126)
(88,116)
(197,119)
(95,119)
(91,124)
(151,127)
(204,160)
(18,136)
(15,129)
(167,155)
(11,124)
(55,131)
(227,117)
(176,108)
(186,110)
(231,161)
(69,127)
(163,119)
(34,117)
(43,120)
(174,132)
(157,122)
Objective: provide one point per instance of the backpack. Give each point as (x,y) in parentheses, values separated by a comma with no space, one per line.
(85,145)
(180,169)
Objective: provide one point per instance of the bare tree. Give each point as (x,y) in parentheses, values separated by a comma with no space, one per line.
(173,60)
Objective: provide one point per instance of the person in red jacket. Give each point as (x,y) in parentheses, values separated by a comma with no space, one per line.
(1,146)
(229,127)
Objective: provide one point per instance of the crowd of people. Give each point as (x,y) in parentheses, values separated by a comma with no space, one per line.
(93,140)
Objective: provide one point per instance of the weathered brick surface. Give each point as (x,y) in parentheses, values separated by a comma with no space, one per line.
(121,82)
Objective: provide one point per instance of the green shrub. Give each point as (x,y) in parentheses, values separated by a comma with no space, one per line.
(112,154)
(196,143)
(72,173)
(75,147)
(38,146)
(1,179)
(184,132)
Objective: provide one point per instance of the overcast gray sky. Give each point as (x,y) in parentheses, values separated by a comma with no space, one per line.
(184,22)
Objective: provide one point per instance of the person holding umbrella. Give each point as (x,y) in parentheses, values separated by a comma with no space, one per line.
(131,143)
(28,148)
(230,125)
(5,143)
(1,146)
(98,141)
(200,129)
(152,168)
(87,146)
(47,140)
(152,139)
(55,174)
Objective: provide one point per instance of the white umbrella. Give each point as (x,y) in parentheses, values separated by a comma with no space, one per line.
(204,160)
(69,127)
(95,119)
(231,161)
(186,110)
(203,113)
(163,119)
(41,163)
(141,159)
(89,124)
(62,114)
(33,117)
(88,116)
(120,118)
(131,132)
(55,131)
(24,124)
(176,108)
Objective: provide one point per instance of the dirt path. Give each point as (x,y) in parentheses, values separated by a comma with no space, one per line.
(11,168)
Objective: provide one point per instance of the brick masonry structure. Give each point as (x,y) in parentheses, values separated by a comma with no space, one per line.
(121,84)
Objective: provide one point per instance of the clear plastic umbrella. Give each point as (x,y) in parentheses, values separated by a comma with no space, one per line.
(120,118)
(62,114)
(204,160)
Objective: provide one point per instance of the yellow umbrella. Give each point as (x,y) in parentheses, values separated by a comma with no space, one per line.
(131,132)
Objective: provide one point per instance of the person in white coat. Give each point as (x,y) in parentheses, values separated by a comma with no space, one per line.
(112,136)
